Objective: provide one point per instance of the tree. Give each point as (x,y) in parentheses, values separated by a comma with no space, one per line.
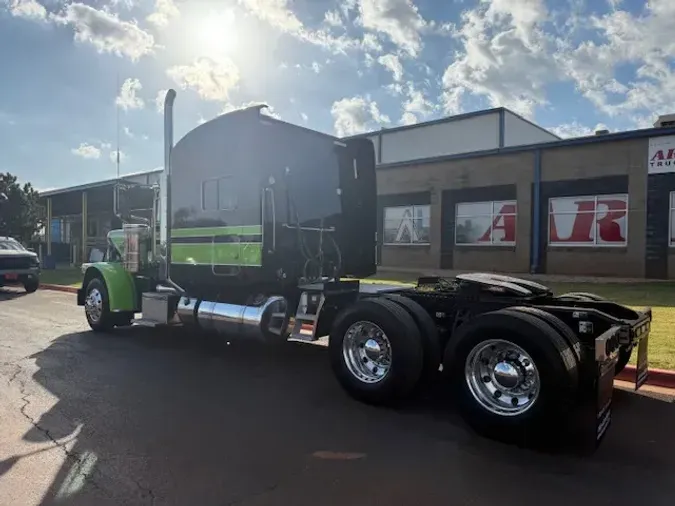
(20,212)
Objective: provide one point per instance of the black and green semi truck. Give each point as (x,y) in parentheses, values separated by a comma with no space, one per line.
(263,230)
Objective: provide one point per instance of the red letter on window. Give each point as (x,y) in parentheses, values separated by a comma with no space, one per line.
(608,226)
(505,220)
(583,223)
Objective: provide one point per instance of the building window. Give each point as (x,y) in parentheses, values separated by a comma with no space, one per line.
(407,225)
(219,194)
(486,223)
(600,221)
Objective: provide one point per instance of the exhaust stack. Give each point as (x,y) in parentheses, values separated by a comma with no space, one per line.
(165,188)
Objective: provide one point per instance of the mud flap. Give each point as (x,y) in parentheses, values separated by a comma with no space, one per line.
(595,413)
(604,388)
(642,368)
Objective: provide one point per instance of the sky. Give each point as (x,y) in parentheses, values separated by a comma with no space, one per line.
(81,78)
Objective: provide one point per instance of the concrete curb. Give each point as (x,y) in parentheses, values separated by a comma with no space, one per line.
(58,288)
(657,377)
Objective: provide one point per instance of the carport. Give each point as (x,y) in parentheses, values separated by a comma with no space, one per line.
(80,217)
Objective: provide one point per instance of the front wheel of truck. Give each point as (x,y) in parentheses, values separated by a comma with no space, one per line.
(97,308)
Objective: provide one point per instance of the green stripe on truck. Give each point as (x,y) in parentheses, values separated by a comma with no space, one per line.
(243,254)
(216,231)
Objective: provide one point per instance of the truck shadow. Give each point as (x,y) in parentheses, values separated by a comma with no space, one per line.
(170,418)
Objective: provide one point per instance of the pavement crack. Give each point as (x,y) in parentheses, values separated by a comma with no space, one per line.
(73,456)
(146,491)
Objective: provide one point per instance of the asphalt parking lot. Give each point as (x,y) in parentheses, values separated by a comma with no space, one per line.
(166,418)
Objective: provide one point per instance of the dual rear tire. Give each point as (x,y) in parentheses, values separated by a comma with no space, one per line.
(513,372)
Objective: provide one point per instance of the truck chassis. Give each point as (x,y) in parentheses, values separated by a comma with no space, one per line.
(522,363)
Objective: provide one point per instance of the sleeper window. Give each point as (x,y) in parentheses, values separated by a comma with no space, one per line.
(219,194)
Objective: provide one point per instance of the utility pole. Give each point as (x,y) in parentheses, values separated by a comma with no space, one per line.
(116,190)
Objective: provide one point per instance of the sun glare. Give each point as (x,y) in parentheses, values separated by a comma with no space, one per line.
(216,34)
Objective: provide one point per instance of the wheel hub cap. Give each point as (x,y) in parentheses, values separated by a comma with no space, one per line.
(506,375)
(367,352)
(502,377)
(93,305)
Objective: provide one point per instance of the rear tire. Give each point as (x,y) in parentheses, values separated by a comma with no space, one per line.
(563,329)
(431,344)
(376,352)
(31,285)
(514,376)
(97,308)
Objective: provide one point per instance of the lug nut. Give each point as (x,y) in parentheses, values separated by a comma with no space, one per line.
(497,394)
(486,379)
(514,401)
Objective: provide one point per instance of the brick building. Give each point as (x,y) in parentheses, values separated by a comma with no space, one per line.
(498,193)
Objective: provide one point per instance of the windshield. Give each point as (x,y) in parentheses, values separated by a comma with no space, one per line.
(11,245)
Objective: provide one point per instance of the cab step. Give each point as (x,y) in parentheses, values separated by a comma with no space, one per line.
(306,316)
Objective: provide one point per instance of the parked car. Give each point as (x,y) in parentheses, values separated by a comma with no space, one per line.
(18,265)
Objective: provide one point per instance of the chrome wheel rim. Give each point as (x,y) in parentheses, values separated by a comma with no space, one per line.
(502,377)
(93,305)
(366,351)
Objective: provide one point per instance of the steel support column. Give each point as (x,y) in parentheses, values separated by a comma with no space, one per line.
(85,221)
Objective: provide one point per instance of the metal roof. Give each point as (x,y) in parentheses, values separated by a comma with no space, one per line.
(575,141)
(96,184)
(450,119)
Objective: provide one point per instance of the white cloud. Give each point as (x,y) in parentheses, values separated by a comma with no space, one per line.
(106,31)
(575,129)
(127,98)
(624,40)
(356,115)
(128,132)
(165,11)
(212,80)
(304,117)
(392,63)
(370,43)
(127,4)
(333,18)
(416,107)
(505,56)
(159,100)
(280,16)
(28,9)
(316,67)
(400,20)
(86,150)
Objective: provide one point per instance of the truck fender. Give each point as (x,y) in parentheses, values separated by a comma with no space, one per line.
(120,285)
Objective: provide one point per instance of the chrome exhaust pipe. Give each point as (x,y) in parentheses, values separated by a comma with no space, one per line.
(260,320)
(166,221)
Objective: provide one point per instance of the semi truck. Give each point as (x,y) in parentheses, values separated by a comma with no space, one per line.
(265,230)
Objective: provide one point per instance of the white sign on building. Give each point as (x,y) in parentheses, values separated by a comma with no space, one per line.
(661,155)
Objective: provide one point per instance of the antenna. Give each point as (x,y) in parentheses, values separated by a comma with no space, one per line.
(116,188)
